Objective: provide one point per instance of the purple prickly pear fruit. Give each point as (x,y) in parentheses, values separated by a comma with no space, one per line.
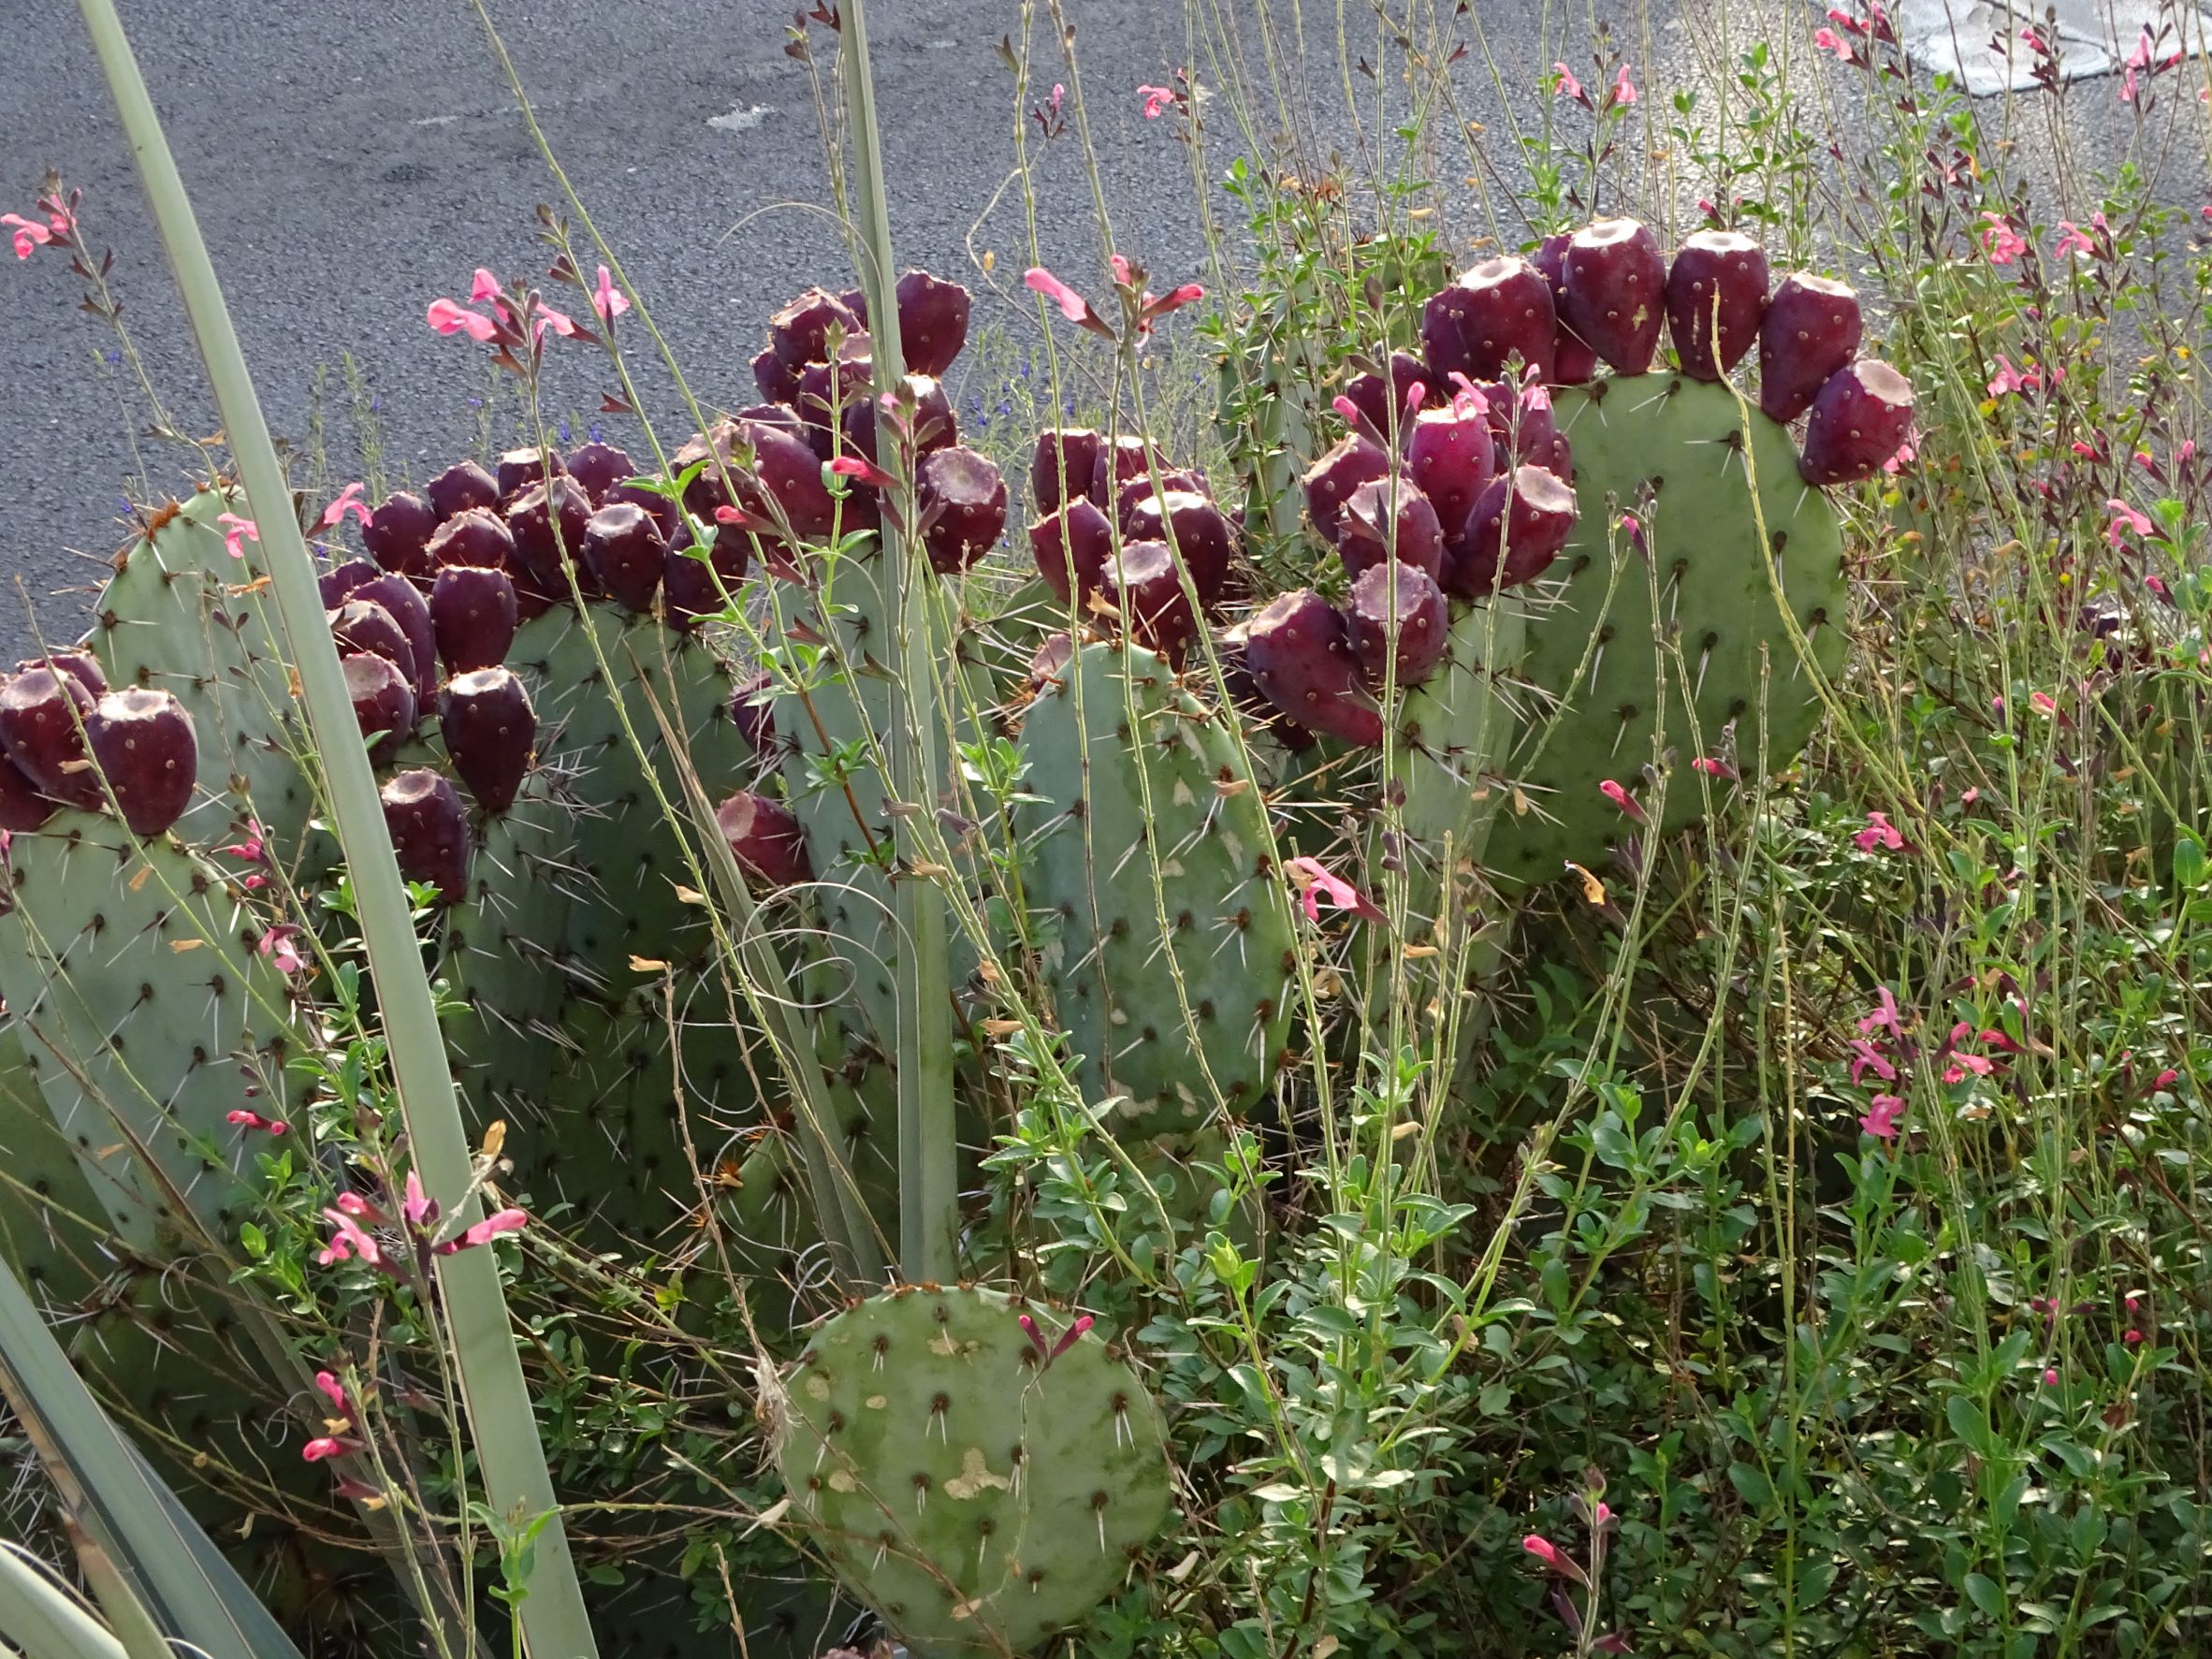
(1484,318)
(489,729)
(1452,457)
(397,532)
(1523,519)
(764,838)
(42,716)
(478,539)
(791,474)
(1859,419)
(773,415)
(1331,480)
(963,502)
(518,469)
(1049,661)
(143,745)
(826,392)
(1064,464)
(1558,459)
(1401,611)
(363,625)
(1521,423)
(1615,284)
(625,551)
(598,468)
(1146,588)
(1387,518)
(1723,273)
(546,521)
(461,489)
(778,380)
(1120,459)
(1811,328)
(1389,404)
(404,602)
(666,514)
(430,831)
(1137,491)
(1244,693)
(753,714)
(1573,362)
(1301,663)
(1078,534)
(337,586)
(472,616)
(932,322)
(935,426)
(383,703)
(22,806)
(1198,531)
(78,665)
(799,334)
(687,591)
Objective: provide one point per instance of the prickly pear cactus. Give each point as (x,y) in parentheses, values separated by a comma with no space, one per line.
(980,1482)
(1452,732)
(1145,810)
(1700,473)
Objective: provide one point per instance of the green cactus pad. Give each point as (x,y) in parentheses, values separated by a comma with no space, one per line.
(131,971)
(976,1495)
(181,616)
(1089,877)
(1672,451)
(1452,731)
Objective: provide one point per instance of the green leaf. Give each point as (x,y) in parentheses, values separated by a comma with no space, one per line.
(1969,1423)
(1751,1484)
(1985,1594)
(42,1618)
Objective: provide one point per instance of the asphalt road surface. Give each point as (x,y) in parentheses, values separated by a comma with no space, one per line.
(351,162)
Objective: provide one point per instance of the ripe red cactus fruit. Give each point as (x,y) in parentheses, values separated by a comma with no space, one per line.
(1145,588)
(78,665)
(692,588)
(548,521)
(142,742)
(665,512)
(1244,696)
(626,553)
(1390,517)
(789,472)
(1064,464)
(462,487)
(1573,361)
(935,425)
(518,469)
(1811,328)
(963,502)
(430,832)
(23,809)
(753,713)
(799,334)
(1452,457)
(1718,273)
(1079,535)
(398,532)
(363,625)
(1523,521)
(403,603)
(472,616)
(764,838)
(41,719)
(491,730)
(1301,661)
(1120,462)
(1389,402)
(778,380)
(599,467)
(384,703)
(1200,534)
(1398,613)
(1860,418)
(337,586)
(477,538)
(1521,423)
(1330,481)
(1614,280)
(827,393)
(1484,318)
(932,322)
(1137,491)
(1050,660)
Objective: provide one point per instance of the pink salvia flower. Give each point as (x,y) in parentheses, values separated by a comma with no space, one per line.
(1881,1120)
(1714,768)
(352,1203)
(1072,304)
(2034,42)
(278,946)
(1844,19)
(417,1205)
(1176,300)
(348,1241)
(483,1231)
(1029,1330)
(2050,1377)
(1156,99)
(606,299)
(254,1120)
(2040,702)
(1563,85)
(329,1445)
(2132,1338)
(1884,1016)
(2124,518)
(29,233)
(559,322)
(237,532)
(855,466)
(349,501)
(1544,1550)
(1069,1337)
(1829,40)
(1907,452)
(2008,379)
(2000,241)
(1867,1058)
(2071,239)
(449,318)
(334,1391)
(1621,799)
(1625,88)
(484,286)
(1880,832)
(1316,881)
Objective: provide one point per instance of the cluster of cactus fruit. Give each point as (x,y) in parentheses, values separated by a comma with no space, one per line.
(1560,562)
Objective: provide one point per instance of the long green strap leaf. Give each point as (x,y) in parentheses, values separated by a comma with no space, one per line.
(41,1620)
(517,1485)
(123,1506)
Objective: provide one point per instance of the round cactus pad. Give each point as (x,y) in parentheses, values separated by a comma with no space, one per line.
(975,1489)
